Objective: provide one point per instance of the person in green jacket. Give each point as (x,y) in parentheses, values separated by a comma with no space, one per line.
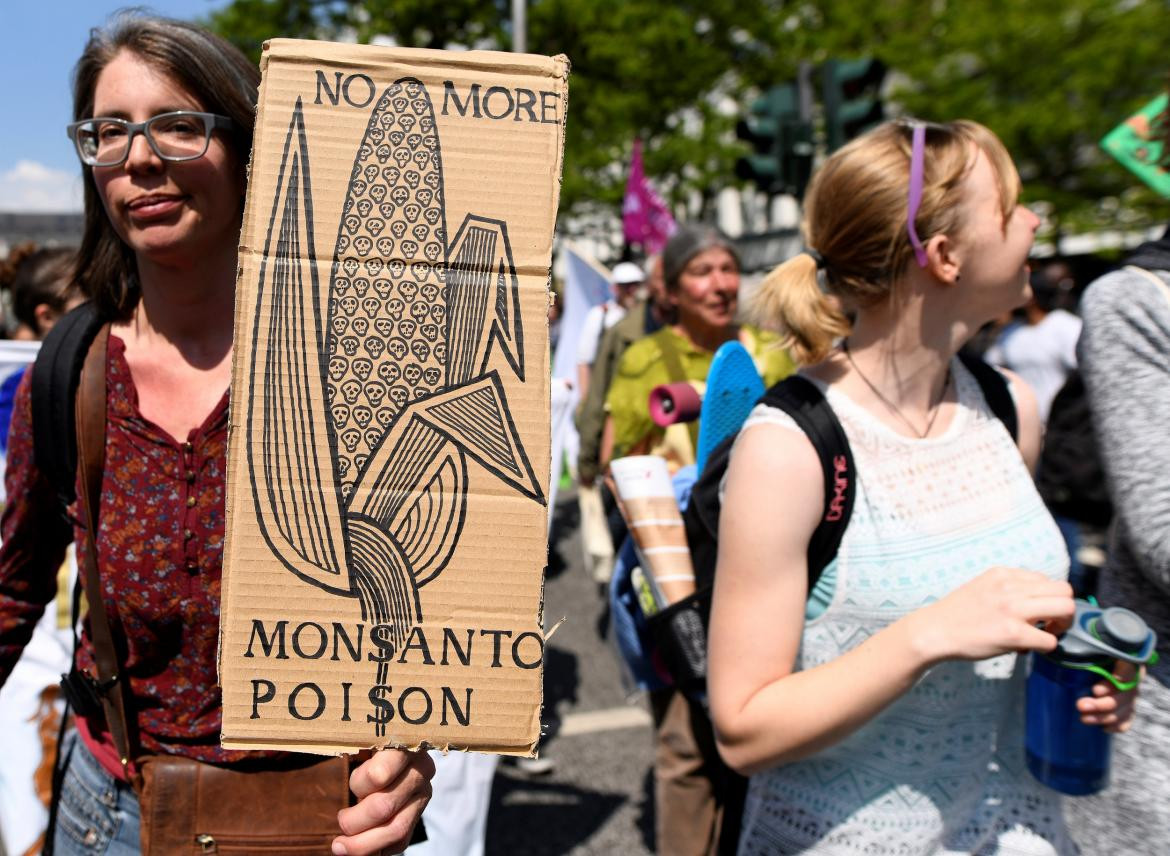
(701,270)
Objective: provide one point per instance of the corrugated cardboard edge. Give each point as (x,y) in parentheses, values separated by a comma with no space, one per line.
(556,68)
(562,65)
(335,749)
(351,53)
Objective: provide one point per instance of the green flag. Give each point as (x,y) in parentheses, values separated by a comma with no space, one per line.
(1137,144)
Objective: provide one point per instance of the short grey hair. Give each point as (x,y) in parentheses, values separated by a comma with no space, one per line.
(686,243)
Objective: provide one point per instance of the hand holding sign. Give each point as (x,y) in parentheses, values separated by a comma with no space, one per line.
(392,787)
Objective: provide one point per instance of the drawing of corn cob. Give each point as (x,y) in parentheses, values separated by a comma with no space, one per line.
(387,300)
(372,507)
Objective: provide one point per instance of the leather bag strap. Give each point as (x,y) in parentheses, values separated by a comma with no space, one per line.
(91,455)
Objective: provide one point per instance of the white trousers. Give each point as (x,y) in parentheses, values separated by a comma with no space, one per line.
(456,817)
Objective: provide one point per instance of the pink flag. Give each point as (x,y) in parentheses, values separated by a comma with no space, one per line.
(645,216)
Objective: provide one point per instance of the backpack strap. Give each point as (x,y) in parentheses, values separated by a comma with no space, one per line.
(54,385)
(1152,277)
(679,631)
(996,391)
(801,399)
(804,402)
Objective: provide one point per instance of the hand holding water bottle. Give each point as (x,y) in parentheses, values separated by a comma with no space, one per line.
(1083,691)
(1109,707)
(1003,610)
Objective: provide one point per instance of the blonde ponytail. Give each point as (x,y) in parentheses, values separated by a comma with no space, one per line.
(790,299)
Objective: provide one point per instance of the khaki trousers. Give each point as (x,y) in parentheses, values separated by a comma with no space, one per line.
(698,800)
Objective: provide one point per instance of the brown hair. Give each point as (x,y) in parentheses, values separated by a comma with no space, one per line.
(35,277)
(212,70)
(855,219)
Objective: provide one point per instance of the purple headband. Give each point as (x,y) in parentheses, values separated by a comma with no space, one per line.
(917,154)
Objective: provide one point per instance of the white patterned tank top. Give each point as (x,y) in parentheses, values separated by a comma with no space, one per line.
(941,771)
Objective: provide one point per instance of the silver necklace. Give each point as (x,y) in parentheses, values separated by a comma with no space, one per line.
(893,407)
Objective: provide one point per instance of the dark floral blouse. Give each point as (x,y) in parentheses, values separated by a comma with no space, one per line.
(160,545)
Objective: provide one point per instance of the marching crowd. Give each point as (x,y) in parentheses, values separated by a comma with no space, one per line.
(869,705)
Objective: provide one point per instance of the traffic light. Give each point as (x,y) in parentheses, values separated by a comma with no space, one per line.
(852,92)
(797,162)
(782,142)
(762,129)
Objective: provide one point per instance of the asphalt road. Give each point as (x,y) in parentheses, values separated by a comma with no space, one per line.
(598,797)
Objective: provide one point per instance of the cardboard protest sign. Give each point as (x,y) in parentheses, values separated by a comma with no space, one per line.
(389,455)
(1137,144)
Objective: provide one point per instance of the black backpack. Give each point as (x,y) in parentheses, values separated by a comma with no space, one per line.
(55,377)
(1070,478)
(680,631)
(56,373)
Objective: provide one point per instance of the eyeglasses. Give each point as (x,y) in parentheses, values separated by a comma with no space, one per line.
(917,155)
(179,136)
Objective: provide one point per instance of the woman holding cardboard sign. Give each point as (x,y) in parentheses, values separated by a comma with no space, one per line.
(882,712)
(164,114)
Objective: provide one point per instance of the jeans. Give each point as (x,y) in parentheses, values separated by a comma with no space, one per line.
(97,814)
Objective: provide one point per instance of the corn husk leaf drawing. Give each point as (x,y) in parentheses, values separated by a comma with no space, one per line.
(296,490)
(399,371)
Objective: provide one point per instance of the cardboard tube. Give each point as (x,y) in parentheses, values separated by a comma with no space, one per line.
(647,503)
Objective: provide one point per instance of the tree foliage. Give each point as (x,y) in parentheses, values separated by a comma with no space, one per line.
(413,23)
(1051,77)
(668,73)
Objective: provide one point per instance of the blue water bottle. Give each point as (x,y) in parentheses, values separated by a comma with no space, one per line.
(1062,752)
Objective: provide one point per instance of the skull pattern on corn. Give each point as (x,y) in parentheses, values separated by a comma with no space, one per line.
(378,272)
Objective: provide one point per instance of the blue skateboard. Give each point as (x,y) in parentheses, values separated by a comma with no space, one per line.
(733,388)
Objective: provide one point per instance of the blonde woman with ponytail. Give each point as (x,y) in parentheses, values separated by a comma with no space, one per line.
(882,712)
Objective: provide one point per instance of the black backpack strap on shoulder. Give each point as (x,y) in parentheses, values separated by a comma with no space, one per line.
(803,400)
(680,630)
(996,391)
(54,386)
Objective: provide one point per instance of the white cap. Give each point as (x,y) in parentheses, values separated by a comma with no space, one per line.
(627,273)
